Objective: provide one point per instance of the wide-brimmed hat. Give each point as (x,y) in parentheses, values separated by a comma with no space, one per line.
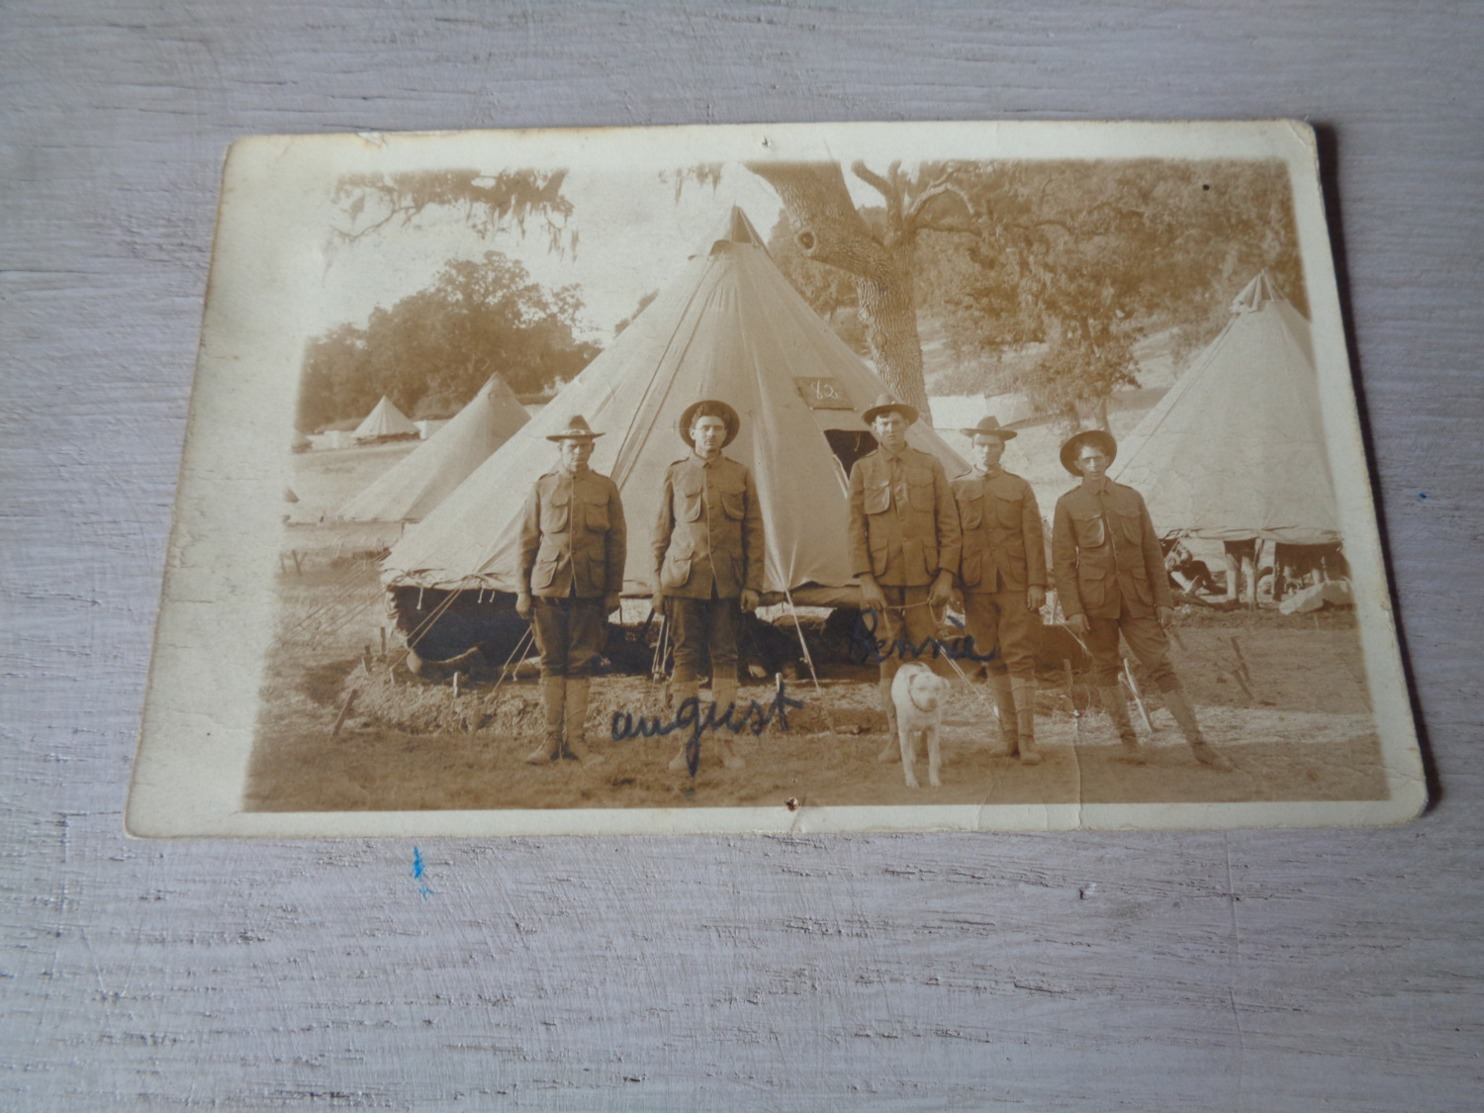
(576,428)
(1073,446)
(988,425)
(725,411)
(888,402)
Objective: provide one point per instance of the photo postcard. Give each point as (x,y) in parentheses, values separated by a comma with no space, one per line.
(857,477)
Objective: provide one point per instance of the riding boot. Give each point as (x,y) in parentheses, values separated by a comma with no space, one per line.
(553,702)
(682,689)
(724,691)
(1117,707)
(1025,717)
(575,736)
(893,749)
(1004,703)
(1180,709)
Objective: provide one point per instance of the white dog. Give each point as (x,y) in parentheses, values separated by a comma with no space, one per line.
(918,696)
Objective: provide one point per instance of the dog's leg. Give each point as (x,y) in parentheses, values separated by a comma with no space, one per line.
(904,739)
(935,755)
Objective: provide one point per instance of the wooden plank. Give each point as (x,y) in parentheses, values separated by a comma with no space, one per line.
(1243,970)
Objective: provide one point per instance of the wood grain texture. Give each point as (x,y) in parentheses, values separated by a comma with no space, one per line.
(1299,969)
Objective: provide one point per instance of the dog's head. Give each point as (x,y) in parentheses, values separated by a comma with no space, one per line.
(927,689)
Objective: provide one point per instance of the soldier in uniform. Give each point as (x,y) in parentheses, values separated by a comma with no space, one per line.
(1003,575)
(1110,577)
(569,578)
(904,544)
(708,557)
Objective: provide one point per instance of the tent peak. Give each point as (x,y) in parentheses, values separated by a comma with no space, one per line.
(1257,294)
(736,229)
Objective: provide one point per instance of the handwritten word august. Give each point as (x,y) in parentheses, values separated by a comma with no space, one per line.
(695,719)
(864,642)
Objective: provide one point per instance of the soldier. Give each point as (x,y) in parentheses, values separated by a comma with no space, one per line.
(1003,574)
(904,544)
(571,559)
(1110,577)
(708,557)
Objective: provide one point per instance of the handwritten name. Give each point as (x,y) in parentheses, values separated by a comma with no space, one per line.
(865,643)
(695,718)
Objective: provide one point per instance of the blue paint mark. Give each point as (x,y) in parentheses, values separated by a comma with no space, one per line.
(417,873)
(1421,496)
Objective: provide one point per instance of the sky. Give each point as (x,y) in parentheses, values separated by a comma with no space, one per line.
(632,237)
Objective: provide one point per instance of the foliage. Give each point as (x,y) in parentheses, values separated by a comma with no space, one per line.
(432,350)
(1084,259)
(487,203)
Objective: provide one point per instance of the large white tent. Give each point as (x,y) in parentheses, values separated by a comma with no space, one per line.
(385,421)
(417,484)
(1236,449)
(728,327)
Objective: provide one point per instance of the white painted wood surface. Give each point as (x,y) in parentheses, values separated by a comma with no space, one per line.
(1239,970)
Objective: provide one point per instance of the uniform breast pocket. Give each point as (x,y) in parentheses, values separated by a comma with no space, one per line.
(878,498)
(556,512)
(688,501)
(920,489)
(971,513)
(734,503)
(1007,512)
(1129,528)
(1090,531)
(595,511)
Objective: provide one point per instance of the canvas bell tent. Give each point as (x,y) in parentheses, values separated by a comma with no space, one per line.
(385,421)
(417,484)
(729,327)
(1236,449)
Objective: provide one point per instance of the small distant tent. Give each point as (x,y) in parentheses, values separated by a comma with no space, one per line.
(414,486)
(728,327)
(1236,449)
(385,421)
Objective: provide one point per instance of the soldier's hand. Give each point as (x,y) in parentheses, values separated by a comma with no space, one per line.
(871,595)
(1035,597)
(1165,615)
(1078,624)
(750,600)
(523,606)
(942,590)
(611,603)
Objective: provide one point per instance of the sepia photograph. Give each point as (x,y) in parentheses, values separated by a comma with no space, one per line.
(799,477)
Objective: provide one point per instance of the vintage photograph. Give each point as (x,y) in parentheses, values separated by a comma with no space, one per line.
(817,477)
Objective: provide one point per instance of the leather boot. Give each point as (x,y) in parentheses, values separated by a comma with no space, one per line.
(1025,718)
(1117,707)
(724,691)
(893,749)
(575,736)
(553,702)
(1180,709)
(1004,704)
(680,690)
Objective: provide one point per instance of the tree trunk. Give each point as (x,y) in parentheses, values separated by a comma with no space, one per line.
(830,230)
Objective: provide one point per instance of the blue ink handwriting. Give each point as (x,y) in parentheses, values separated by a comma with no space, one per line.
(864,642)
(696,719)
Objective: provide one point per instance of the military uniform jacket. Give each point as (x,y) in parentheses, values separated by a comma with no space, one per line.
(572,537)
(709,531)
(1104,553)
(1003,544)
(903,521)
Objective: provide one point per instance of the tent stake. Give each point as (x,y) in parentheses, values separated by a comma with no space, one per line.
(344,712)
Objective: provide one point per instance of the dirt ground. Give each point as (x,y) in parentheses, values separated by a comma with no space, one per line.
(1304,732)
